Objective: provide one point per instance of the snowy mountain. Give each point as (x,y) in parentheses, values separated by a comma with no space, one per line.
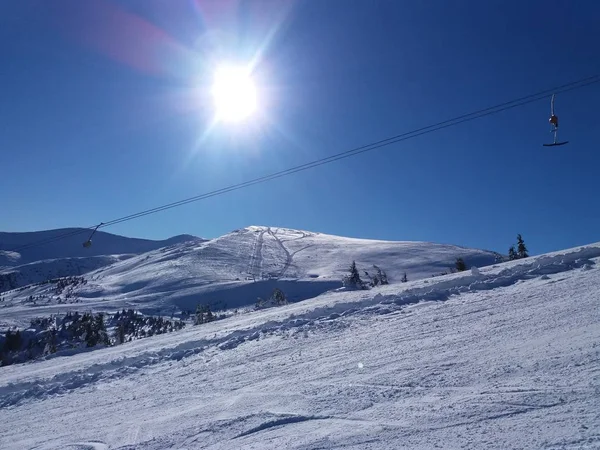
(39,271)
(71,246)
(233,270)
(502,357)
(67,257)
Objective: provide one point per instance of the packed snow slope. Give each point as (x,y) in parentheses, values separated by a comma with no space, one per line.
(505,357)
(233,270)
(71,246)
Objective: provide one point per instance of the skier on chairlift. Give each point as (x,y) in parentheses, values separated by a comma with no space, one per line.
(88,243)
(554,123)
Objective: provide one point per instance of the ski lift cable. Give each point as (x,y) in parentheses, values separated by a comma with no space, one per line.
(362,149)
(460,119)
(346,154)
(342,155)
(378,144)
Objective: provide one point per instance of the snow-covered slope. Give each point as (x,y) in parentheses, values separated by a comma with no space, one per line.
(235,269)
(39,271)
(67,257)
(71,246)
(505,357)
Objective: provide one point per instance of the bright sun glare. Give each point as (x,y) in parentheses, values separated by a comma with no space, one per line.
(234,94)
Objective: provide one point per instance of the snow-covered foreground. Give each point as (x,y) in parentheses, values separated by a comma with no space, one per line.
(508,357)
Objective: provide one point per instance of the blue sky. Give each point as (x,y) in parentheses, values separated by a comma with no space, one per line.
(104,113)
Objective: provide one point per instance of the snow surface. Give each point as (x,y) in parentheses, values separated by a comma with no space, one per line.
(500,357)
(232,271)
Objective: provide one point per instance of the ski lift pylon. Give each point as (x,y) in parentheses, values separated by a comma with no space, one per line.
(554,125)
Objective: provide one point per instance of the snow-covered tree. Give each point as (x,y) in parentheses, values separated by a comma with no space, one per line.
(120,332)
(381,276)
(203,315)
(278,297)
(352,280)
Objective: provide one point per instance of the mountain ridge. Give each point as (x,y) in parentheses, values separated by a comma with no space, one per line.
(234,269)
(52,244)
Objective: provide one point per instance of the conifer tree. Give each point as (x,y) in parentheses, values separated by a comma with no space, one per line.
(208,315)
(203,315)
(460,265)
(278,297)
(354,275)
(121,332)
(91,336)
(381,277)
(521,248)
(353,279)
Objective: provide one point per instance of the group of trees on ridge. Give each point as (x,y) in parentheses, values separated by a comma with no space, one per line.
(520,252)
(353,280)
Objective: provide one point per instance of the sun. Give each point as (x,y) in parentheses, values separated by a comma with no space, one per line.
(234,94)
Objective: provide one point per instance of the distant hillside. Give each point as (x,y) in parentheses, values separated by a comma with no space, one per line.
(67,256)
(235,269)
(71,247)
(38,271)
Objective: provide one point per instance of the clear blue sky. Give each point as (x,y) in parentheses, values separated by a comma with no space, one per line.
(102,114)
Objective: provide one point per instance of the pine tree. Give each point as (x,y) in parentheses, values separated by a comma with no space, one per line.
(373,281)
(512,254)
(91,336)
(353,280)
(208,315)
(51,342)
(521,248)
(12,341)
(278,297)
(100,328)
(460,265)
(381,276)
(203,315)
(121,332)
(384,278)
(354,275)
(199,315)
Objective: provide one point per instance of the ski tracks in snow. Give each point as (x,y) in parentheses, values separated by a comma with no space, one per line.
(255,263)
(288,255)
(85,445)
